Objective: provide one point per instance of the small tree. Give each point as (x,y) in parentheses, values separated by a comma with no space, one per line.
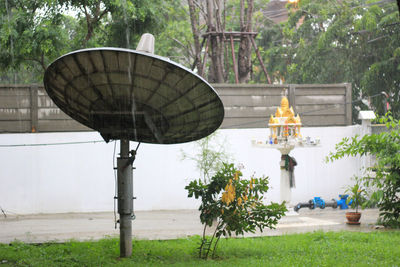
(356,195)
(386,183)
(236,204)
(209,156)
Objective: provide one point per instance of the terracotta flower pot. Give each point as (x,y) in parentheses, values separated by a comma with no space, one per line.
(353,218)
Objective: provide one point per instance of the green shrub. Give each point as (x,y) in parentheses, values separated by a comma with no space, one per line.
(385,185)
(234,204)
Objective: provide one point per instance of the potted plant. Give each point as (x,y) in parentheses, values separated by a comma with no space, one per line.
(356,199)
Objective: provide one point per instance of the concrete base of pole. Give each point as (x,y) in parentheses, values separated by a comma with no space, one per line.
(125,235)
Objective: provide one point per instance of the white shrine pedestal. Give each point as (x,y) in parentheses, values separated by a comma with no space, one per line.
(285,148)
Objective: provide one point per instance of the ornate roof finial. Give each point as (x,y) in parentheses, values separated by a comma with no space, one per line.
(284,104)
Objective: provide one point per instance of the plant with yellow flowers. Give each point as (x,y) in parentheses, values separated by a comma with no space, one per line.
(234,204)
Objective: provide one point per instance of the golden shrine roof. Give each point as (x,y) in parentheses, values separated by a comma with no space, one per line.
(285,112)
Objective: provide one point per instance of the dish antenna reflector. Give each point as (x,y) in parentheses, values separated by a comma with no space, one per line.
(134,95)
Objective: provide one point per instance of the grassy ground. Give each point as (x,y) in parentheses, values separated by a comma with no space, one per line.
(311,249)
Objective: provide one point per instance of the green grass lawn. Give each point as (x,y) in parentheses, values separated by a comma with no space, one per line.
(310,249)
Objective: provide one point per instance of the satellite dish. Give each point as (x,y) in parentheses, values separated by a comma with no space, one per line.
(133,95)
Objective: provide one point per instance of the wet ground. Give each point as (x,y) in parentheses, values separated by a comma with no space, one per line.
(165,224)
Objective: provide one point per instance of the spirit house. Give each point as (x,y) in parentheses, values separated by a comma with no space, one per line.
(284,126)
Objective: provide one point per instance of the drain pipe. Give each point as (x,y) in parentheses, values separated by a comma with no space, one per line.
(318,202)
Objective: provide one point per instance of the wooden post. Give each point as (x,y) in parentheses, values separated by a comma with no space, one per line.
(260,59)
(34,108)
(292,96)
(195,60)
(348,104)
(234,61)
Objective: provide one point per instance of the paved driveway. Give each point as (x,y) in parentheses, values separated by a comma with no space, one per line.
(165,224)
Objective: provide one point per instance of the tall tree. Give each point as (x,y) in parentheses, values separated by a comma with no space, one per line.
(346,41)
(176,39)
(115,22)
(195,24)
(31,33)
(35,32)
(245,46)
(92,12)
(212,19)
(216,40)
(207,15)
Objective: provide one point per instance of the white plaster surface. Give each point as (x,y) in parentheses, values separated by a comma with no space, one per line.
(80,178)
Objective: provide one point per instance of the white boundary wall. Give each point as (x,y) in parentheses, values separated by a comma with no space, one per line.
(80,178)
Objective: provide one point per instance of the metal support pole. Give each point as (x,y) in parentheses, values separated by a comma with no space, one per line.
(125,198)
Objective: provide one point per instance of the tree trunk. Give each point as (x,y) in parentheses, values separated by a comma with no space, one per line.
(194,20)
(93,17)
(210,12)
(216,72)
(244,53)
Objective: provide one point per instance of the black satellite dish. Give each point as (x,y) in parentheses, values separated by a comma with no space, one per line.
(127,94)
(132,95)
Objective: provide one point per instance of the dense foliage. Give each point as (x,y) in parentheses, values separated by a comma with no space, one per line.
(33,33)
(385,184)
(352,41)
(235,205)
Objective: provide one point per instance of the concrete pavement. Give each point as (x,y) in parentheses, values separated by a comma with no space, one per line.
(165,224)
